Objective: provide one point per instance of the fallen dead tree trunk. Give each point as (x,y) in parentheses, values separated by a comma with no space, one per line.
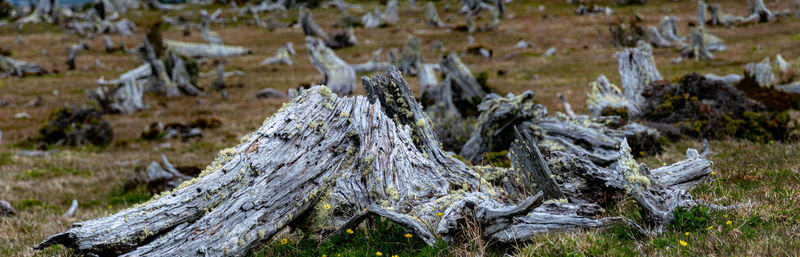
(13,67)
(358,157)
(199,50)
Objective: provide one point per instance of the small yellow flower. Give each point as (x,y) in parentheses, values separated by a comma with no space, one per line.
(284,241)
(709,227)
(324,255)
(725,215)
(378,254)
(713,173)
(109,206)
(634,201)
(687,233)
(728,222)
(663,164)
(326,206)
(349,231)
(683,243)
(408,235)
(395,255)
(771,142)
(439,214)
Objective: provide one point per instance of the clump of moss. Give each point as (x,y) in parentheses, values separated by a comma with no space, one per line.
(773,99)
(497,159)
(621,112)
(701,108)
(77,126)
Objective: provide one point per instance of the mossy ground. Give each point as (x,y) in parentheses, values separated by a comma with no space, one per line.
(762,174)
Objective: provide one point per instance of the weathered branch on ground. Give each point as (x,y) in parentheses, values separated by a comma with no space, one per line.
(356,156)
(199,50)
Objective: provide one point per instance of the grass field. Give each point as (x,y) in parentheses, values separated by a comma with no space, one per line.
(762,176)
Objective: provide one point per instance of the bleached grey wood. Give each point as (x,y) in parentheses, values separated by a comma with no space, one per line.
(604,94)
(464,86)
(374,64)
(527,158)
(282,56)
(310,28)
(761,72)
(337,74)
(432,16)
(73,53)
(13,67)
(324,162)
(637,70)
(72,209)
(125,98)
(200,50)
(669,30)
(6,209)
(567,106)
(410,57)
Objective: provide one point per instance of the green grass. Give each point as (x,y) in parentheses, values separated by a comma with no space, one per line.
(382,237)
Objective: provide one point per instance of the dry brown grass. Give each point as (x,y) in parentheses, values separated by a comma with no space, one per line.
(91,175)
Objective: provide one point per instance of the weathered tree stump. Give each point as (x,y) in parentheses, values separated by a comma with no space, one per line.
(359,156)
(125,98)
(637,70)
(339,76)
(282,56)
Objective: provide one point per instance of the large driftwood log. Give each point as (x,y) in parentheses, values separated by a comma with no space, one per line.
(339,76)
(637,70)
(13,67)
(357,157)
